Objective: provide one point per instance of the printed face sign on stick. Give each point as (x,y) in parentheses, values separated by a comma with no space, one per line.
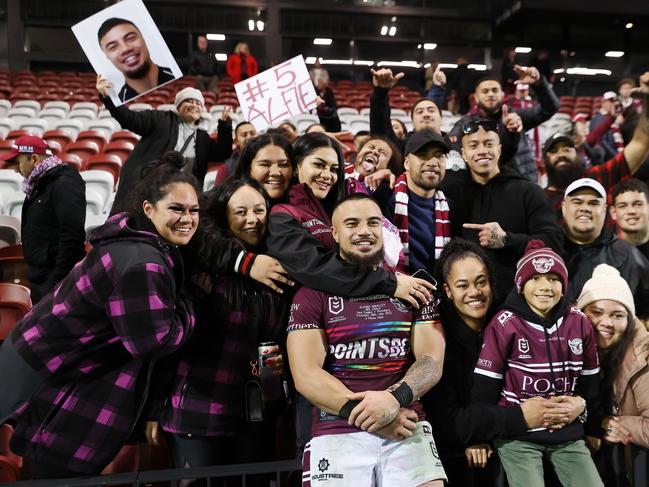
(124,45)
(276,94)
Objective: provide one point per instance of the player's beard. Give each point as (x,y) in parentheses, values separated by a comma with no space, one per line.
(561,178)
(364,261)
(140,72)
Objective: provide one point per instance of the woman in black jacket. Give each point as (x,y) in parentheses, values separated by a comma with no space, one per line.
(462,429)
(165,130)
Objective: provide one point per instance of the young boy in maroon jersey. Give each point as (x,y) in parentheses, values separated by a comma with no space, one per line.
(538,345)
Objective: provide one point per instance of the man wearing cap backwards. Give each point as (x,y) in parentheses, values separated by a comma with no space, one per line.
(565,166)
(417,207)
(609,108)
(499,208)
(588,244)
(162,131)
(53,215)
(122,43)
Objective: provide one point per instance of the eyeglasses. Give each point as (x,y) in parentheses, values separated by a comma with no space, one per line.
(473,126)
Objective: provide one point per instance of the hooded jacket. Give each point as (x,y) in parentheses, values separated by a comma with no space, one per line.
(300,238)
(608,249)
(520,207)
(159,132)
(95,339)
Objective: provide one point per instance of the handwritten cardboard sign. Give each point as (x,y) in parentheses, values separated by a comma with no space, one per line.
(276,94)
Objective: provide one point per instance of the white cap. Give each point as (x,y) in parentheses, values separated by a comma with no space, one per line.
(609,95)
(189,94)
(522,86)
(586,183)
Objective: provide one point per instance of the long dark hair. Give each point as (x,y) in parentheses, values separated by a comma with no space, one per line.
(395,163)
(154,186)
(255,145)
(305,145)
(612,361)
(459,249)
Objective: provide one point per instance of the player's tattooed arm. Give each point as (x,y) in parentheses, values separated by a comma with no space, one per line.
(421,376)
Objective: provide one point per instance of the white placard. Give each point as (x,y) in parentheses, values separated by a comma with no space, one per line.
(276,94)
(131,54)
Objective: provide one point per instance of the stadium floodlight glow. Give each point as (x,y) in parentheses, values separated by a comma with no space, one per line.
(558,71)
(215,37)
(614,53)
(221,56)
(447,65)
(430,46)
(309,60)
(588,71)
(251,24)
(427,65)
(360,62)
(322,41)
(402,64)
(343,62)
(384,30)
(260,25)
(477,67)
(629,25)
(392,31)
(523,50)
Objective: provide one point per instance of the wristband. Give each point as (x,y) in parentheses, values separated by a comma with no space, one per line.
(346,410)
(403,394)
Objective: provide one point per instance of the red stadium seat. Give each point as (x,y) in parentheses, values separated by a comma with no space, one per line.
(14,134)
(122,148)
(124,135)
(10,463)
(15,301)
(72,159)
(55,146)
(93,135)
(105,162)
(83,148)
(61,136)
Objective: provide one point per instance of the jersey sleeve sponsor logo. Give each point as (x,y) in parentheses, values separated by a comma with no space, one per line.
(483,362)
(504,316)
(302,326)
(576,345)
(543,264)
(336,305)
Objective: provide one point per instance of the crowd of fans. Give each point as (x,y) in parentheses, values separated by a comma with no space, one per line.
(417,324)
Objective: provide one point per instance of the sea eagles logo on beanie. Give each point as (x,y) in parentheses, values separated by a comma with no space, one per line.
(543,264)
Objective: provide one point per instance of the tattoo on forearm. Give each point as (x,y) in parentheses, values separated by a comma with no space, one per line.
(421,376)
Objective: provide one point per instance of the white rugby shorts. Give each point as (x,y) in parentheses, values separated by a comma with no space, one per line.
(366,460)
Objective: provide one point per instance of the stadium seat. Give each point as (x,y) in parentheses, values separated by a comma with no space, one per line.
(103,114)
(10,463)
(12,265)
(122,148)
(140,107)
(71,126)
(94,202)
(93,135)
(6,126)
(65,106)
(15,302)
(34,126)
(13,204)
(168,106)
(72,159)
(126,135)
(101,182)
(51,116)
(208,182)
(14,134)
(106,126)
(5,106)
(5,146)
(303,121)
(9,230)
(111,163)
(85,105)
(93,221)
(83,148)
(82,114)
(32,104)
(61,136)
(55,147)
(20,114)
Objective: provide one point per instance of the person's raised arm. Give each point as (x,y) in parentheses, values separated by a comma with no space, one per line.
(637,150)
(548,100)
(383,81)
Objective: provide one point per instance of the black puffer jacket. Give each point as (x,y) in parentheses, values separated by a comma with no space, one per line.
(608,249)
(53,233)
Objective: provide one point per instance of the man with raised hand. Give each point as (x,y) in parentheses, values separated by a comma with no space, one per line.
(363,363)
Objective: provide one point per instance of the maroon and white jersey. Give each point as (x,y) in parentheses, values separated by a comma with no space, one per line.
(516,351)
(368,343)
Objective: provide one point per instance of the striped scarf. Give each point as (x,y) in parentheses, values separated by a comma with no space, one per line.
(617,137)
(442,221)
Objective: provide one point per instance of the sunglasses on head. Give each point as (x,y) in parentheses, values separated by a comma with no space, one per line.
(473,126)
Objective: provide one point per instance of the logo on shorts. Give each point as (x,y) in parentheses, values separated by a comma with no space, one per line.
(523,345)
(323,465)
(543,264)
(576,346)
(433,449)
(399,305)
(336,305)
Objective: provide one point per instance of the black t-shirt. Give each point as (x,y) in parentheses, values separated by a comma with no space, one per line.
(126,93)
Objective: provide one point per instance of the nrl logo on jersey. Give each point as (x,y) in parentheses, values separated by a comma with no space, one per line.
(576,345)
(543,264)
(336,305)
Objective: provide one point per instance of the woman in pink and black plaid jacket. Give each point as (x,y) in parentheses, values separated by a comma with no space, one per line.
(79,365)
